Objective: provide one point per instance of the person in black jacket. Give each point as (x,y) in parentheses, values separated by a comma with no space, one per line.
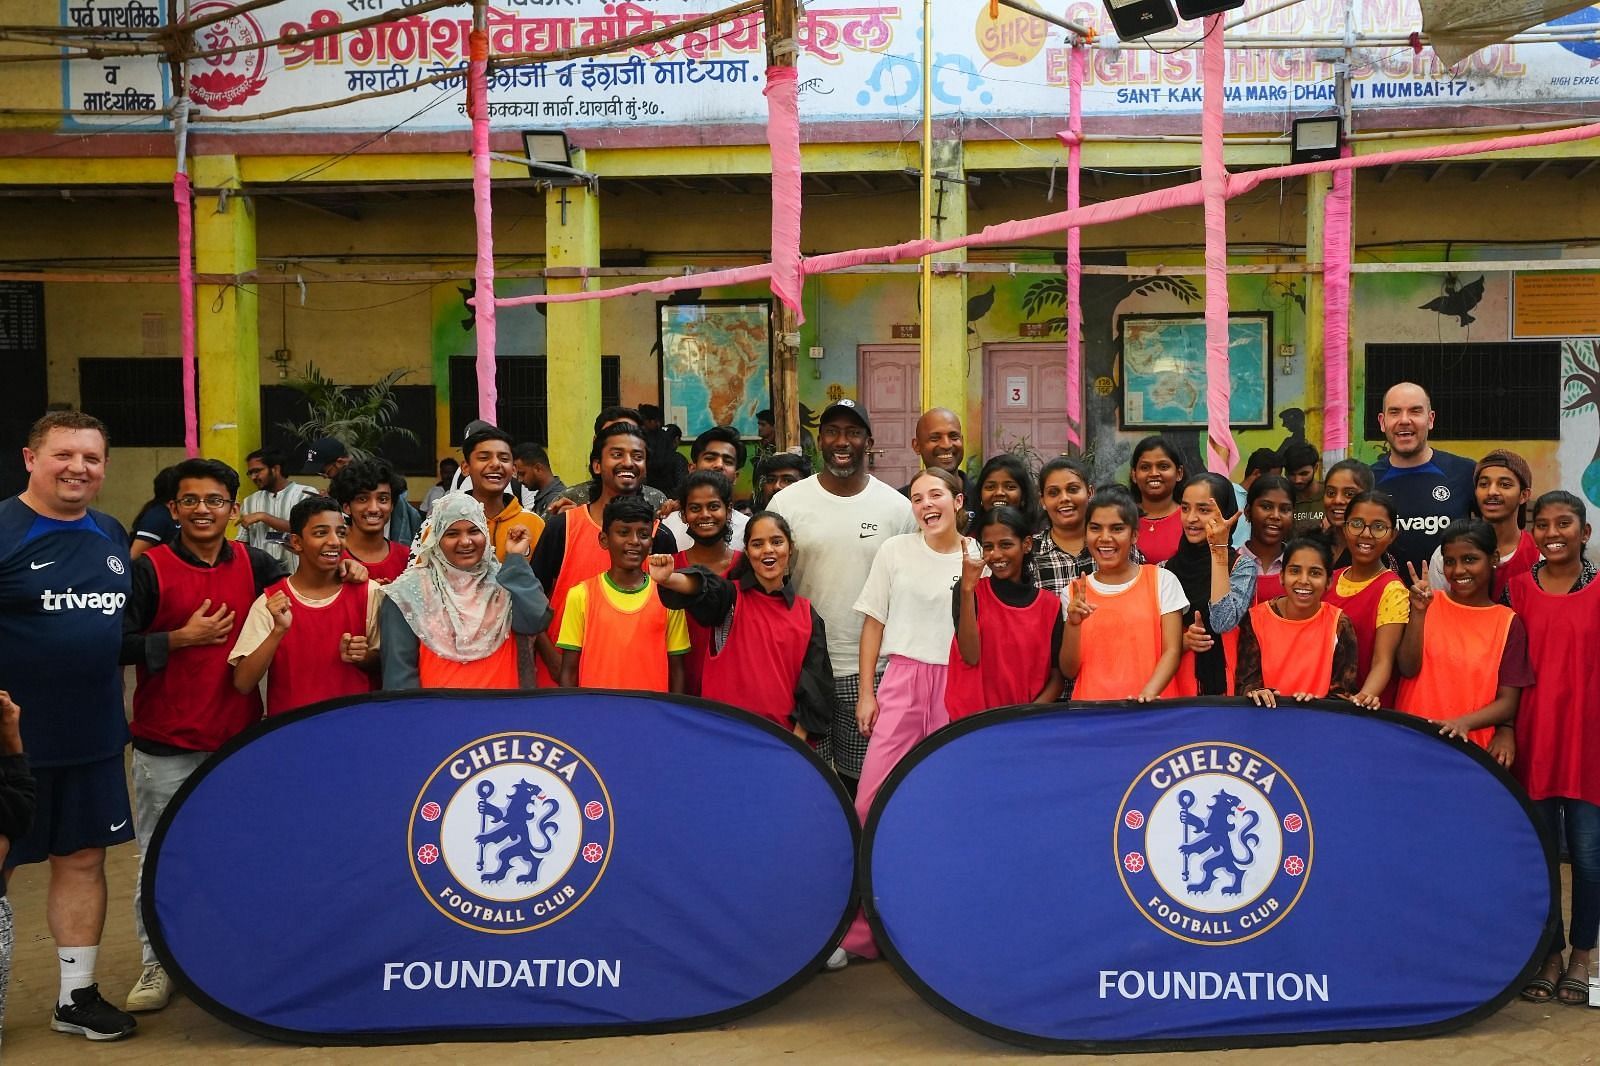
(16,815)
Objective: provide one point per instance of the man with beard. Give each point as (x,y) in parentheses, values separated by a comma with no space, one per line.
(264,515)
(1431,488)
(720,451)
(841,516)
(572,549)
(941,446)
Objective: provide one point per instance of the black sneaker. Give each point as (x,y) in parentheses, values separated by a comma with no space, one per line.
(93,1017)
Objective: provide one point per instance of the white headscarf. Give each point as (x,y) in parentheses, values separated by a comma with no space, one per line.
(460,615)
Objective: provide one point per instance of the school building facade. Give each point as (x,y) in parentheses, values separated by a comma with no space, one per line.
(329,238)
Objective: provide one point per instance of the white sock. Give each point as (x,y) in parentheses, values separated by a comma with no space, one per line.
(77,970)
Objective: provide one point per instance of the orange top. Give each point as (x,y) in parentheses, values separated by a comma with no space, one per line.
(623,648)
(1296,656)
(1121,640)
(583,558)
(1186,683)
(499,670)
(1461,651)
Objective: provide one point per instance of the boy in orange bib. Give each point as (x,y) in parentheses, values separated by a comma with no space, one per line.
(615,631)
(1463,659)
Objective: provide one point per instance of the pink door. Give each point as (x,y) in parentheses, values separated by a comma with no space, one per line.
(891,388)
(1025,401)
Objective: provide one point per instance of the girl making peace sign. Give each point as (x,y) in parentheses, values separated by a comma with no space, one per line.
(1463,658)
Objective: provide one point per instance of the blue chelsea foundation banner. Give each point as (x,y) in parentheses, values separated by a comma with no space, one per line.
(452,865)
(1205,873)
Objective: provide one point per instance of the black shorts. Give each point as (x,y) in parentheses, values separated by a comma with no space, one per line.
(80,806)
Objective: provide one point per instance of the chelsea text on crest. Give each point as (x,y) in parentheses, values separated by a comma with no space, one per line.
(1213,760)
(514,749)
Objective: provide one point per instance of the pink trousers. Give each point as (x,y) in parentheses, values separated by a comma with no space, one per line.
(910,707)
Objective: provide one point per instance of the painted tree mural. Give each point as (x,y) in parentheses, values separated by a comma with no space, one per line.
(1580,397)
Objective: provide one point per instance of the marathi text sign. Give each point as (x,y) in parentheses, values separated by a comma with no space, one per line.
(1206,874)
(860,60)
(448,865)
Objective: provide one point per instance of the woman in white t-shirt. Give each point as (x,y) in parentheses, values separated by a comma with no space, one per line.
(905,606)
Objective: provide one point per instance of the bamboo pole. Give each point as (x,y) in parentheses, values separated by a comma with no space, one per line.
(780,17)
(925,280)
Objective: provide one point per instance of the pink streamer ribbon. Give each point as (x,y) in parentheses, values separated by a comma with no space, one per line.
(186,342)
(783,136)
(1074,310)
(483,273)
(1222,452)
(1336,313)
(1188,195)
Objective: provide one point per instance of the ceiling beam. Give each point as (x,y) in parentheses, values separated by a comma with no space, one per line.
(1488,168)
(1438,170)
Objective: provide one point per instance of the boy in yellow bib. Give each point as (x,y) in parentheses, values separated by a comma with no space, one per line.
(616,632)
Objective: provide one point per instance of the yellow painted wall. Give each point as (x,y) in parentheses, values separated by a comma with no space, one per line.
(356,331)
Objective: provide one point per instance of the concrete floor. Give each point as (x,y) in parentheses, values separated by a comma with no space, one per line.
(861,1016)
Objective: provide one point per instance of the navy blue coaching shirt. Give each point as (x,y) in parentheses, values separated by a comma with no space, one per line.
(1428,498)
(63,586)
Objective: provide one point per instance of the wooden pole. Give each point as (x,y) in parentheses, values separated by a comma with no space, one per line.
(780,17)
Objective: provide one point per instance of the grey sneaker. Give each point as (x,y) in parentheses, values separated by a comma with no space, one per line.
(91,1016)
(152,991)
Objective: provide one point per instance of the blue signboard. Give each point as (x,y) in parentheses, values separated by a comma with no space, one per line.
(454,865)
(1205,873)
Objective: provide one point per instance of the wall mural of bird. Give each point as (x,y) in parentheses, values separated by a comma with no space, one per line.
(979,305)
(1457,302)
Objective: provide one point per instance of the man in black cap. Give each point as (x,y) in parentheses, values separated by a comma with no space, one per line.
(326,456)
(841,516)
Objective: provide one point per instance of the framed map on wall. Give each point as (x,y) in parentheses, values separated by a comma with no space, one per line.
(1164,371)
(716,363)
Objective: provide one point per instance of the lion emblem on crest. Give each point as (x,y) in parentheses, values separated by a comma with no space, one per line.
(1216,834)
(519,820)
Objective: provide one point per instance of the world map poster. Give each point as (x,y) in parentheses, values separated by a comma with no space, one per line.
(716,360)
(1164,371)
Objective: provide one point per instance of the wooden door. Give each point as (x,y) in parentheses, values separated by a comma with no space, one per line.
(1025,400)
(891,389)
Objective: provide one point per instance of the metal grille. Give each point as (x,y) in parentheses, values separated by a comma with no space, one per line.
(280,404)
(139,400)
(524,396)
(1497,391)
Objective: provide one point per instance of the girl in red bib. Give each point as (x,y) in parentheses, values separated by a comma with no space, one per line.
(1557,743)
(1464,658)
(1008,631)
(447,621)
(1345,480)
(1124,623)
(1295,645)
(1269,507)
(766,651)
(1155,472)
(1371,594)
(705,499)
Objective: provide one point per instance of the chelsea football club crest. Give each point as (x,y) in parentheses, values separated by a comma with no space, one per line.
(1213,843)
(510,833)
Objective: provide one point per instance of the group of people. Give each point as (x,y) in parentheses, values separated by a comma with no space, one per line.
(859,616)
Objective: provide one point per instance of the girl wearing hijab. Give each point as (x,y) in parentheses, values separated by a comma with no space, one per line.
(1219,581)
(447,621)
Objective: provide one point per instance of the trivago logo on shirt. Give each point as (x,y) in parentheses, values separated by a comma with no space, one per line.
(106,603)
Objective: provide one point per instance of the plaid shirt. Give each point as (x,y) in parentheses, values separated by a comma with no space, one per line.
(1055,569)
